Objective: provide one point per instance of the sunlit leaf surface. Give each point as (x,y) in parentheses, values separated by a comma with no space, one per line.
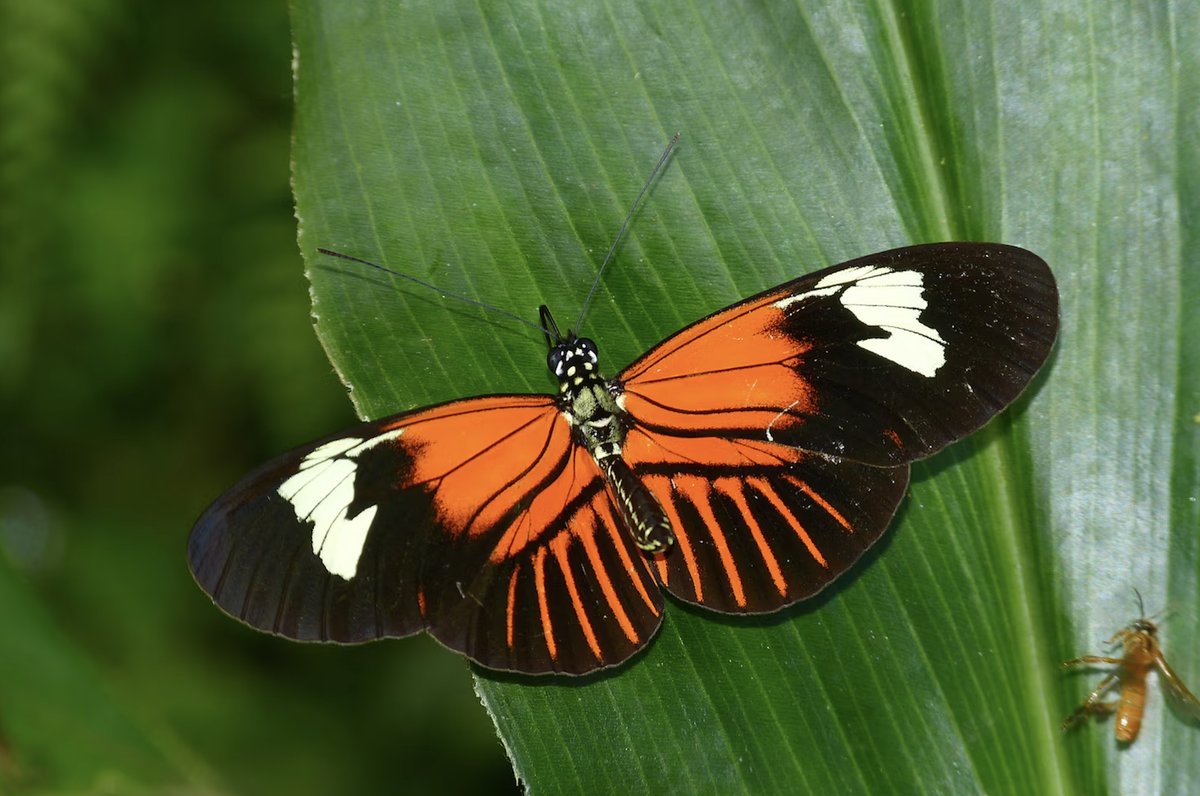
(493,149)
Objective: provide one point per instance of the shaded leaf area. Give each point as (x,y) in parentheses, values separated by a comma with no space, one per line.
(493,150)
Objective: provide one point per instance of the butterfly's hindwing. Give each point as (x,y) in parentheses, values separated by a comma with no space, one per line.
(558,587)
(760,526)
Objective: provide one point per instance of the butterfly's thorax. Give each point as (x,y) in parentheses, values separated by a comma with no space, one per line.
(588,401)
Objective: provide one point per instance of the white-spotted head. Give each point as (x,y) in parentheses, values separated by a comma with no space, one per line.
(572,359)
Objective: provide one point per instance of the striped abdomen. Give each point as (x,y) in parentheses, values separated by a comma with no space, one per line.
(643,514)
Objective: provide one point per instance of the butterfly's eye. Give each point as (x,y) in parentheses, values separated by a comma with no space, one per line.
(558,358)
(586,349)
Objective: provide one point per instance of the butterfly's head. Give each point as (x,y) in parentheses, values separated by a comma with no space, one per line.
(573,359)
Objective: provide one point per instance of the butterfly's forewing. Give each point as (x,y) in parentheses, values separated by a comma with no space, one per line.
(777,432)
(261,563)
(478,520)
(883,360)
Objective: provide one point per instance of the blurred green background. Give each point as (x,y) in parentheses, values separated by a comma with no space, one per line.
(155,344)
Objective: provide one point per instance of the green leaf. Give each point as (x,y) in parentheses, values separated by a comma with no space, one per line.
(493,149)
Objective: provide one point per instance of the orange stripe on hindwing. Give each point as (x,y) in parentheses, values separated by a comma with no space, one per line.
(617,535)
(560,546)
(823,503)
(735,492)
(662,488)
(699,491)
(604,577)
(790,518)
(539,581)
(510,610)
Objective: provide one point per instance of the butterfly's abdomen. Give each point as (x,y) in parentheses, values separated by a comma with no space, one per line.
(642,512)
(596,417)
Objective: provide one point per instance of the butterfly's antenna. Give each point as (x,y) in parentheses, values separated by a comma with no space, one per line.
(1141,606)
(446,293)
(658,167)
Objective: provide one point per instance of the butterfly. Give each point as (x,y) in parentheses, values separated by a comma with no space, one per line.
(740,465)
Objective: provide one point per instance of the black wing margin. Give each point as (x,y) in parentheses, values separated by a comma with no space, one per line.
(986,320)
(254,554)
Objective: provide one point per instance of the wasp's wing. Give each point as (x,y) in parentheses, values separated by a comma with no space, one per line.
(1183,699)
(479,520)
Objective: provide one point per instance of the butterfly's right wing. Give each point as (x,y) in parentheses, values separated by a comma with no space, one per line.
(759,526)
(883,360)
(479,520)
(776,433)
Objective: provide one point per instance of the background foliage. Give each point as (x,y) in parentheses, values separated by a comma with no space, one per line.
(154,344)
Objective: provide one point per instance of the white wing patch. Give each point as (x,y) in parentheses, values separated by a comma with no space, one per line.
(322,490)
(890,300)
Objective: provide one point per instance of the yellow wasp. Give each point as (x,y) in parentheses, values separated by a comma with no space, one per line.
(1142,653)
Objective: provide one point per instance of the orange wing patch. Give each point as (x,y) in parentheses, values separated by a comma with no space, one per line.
(530,568)
(736,369)
(478,471)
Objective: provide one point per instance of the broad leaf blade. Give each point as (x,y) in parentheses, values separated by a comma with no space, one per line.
(494,150)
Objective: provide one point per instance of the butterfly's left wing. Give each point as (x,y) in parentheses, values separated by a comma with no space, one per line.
(479,521)
(817,394)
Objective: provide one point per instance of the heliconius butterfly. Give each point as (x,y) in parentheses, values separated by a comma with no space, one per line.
(741,465)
